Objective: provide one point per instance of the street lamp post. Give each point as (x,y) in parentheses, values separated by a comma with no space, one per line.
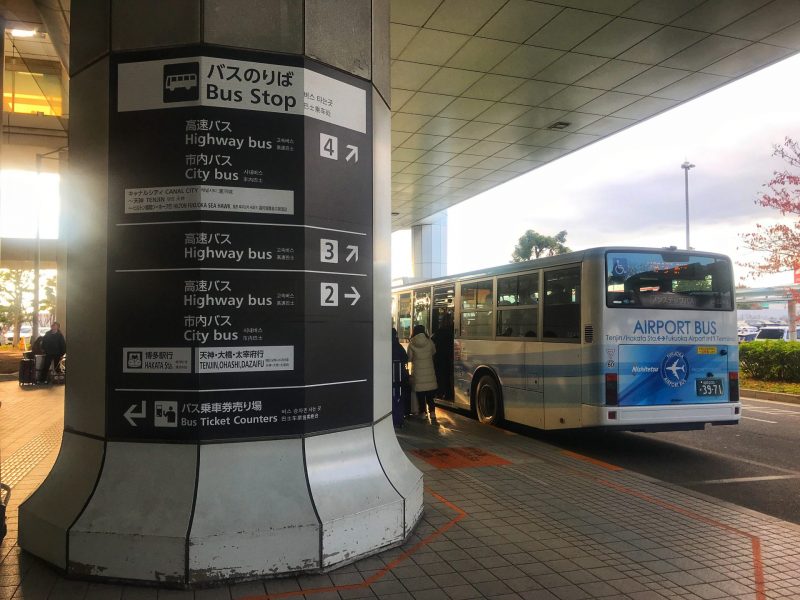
(686,166)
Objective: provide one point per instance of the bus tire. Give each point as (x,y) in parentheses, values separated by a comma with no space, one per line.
(488,404)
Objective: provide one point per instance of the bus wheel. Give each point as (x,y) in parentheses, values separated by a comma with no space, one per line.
(487,401)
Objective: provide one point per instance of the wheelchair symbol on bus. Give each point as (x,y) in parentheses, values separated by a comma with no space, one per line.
(620,266)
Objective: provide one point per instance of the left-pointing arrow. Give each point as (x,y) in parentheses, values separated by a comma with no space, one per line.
(130,415)
(355,296)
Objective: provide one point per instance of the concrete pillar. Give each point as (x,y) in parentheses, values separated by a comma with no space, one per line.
(228,408)
(429,247)
(2,105)
(61,248)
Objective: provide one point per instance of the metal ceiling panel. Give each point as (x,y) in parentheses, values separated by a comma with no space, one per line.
(464,16)
(569,28)
(485,90)
(518,20)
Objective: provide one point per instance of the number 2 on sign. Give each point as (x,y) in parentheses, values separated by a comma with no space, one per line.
(329,294)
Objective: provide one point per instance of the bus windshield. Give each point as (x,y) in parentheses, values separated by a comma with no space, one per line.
(669,279)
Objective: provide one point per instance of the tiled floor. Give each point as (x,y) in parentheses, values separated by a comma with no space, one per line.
(543,524)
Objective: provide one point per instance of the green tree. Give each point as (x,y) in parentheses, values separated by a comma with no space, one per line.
(16,296)
(535,245)
(48,302)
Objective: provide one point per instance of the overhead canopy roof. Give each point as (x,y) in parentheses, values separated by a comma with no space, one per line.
(486,90)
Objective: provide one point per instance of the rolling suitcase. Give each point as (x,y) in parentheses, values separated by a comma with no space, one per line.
(27,371)
(5,497)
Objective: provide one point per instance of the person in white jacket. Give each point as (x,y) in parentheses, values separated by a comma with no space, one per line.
(420,354)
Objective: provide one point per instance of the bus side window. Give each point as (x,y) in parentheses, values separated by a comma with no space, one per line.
(562,309)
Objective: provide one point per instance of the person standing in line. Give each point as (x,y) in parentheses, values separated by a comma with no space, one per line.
(54,346)
(420,353)
(399,381)
(442,338)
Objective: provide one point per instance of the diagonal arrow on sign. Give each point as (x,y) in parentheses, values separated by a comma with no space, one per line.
(355,296)
(130,415)
(353,252)
(353,153)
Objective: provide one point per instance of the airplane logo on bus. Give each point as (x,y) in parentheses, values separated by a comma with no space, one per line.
(674,369)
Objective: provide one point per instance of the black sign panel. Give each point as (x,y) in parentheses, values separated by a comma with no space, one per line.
(240,247)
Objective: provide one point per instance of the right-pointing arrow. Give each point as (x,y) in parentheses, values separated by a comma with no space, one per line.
(352,154)
(355,296)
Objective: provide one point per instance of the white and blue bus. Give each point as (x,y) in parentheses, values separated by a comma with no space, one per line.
(638,339)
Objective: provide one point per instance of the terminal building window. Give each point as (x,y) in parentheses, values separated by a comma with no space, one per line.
(32,87)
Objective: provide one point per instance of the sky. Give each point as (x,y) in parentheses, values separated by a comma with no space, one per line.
(629,188)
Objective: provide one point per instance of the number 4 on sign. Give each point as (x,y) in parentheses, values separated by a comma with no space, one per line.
(329,146)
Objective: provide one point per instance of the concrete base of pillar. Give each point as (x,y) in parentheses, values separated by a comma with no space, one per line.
(186,515)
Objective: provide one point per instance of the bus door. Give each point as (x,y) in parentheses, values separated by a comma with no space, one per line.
(519,350)
(534,384)
(561,348)
(442,319)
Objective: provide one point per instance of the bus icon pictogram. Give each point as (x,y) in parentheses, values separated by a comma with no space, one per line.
(181,82)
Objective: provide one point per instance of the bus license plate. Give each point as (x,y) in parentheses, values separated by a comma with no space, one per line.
(709,387)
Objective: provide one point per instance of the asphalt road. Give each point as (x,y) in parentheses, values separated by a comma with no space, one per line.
(755,464)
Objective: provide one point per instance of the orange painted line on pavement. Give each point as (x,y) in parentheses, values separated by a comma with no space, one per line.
(755,541)
(460,514)
(594,461)
(453,457)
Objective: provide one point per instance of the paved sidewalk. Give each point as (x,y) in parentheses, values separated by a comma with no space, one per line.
(506,517)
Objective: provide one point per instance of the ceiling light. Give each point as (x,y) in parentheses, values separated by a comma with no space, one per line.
(560,125)
(22,33)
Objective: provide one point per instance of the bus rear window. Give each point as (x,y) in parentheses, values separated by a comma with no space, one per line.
(670,280)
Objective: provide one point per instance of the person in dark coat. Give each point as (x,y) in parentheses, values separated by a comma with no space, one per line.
(443,359)
(54,346)
(400,386)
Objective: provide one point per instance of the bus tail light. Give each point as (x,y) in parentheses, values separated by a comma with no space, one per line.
(733,385)
(611,389)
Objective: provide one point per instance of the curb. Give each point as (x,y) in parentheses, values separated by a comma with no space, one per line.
(774,396)
(755,394)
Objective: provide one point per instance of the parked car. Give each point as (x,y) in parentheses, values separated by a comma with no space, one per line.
(746,333)
(25,331)
(775,332)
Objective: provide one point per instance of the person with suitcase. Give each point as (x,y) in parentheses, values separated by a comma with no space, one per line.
(54,346)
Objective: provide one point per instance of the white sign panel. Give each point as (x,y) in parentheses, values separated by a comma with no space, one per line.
(245,359)
(156,360)
(208,197)
(228,83)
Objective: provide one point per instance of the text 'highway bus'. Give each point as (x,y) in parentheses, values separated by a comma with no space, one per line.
(637,339)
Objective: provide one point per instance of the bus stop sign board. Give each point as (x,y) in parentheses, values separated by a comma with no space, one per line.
(240,247)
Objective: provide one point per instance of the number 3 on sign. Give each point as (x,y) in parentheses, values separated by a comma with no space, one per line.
(329,251)
(329,294)
(328,146)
